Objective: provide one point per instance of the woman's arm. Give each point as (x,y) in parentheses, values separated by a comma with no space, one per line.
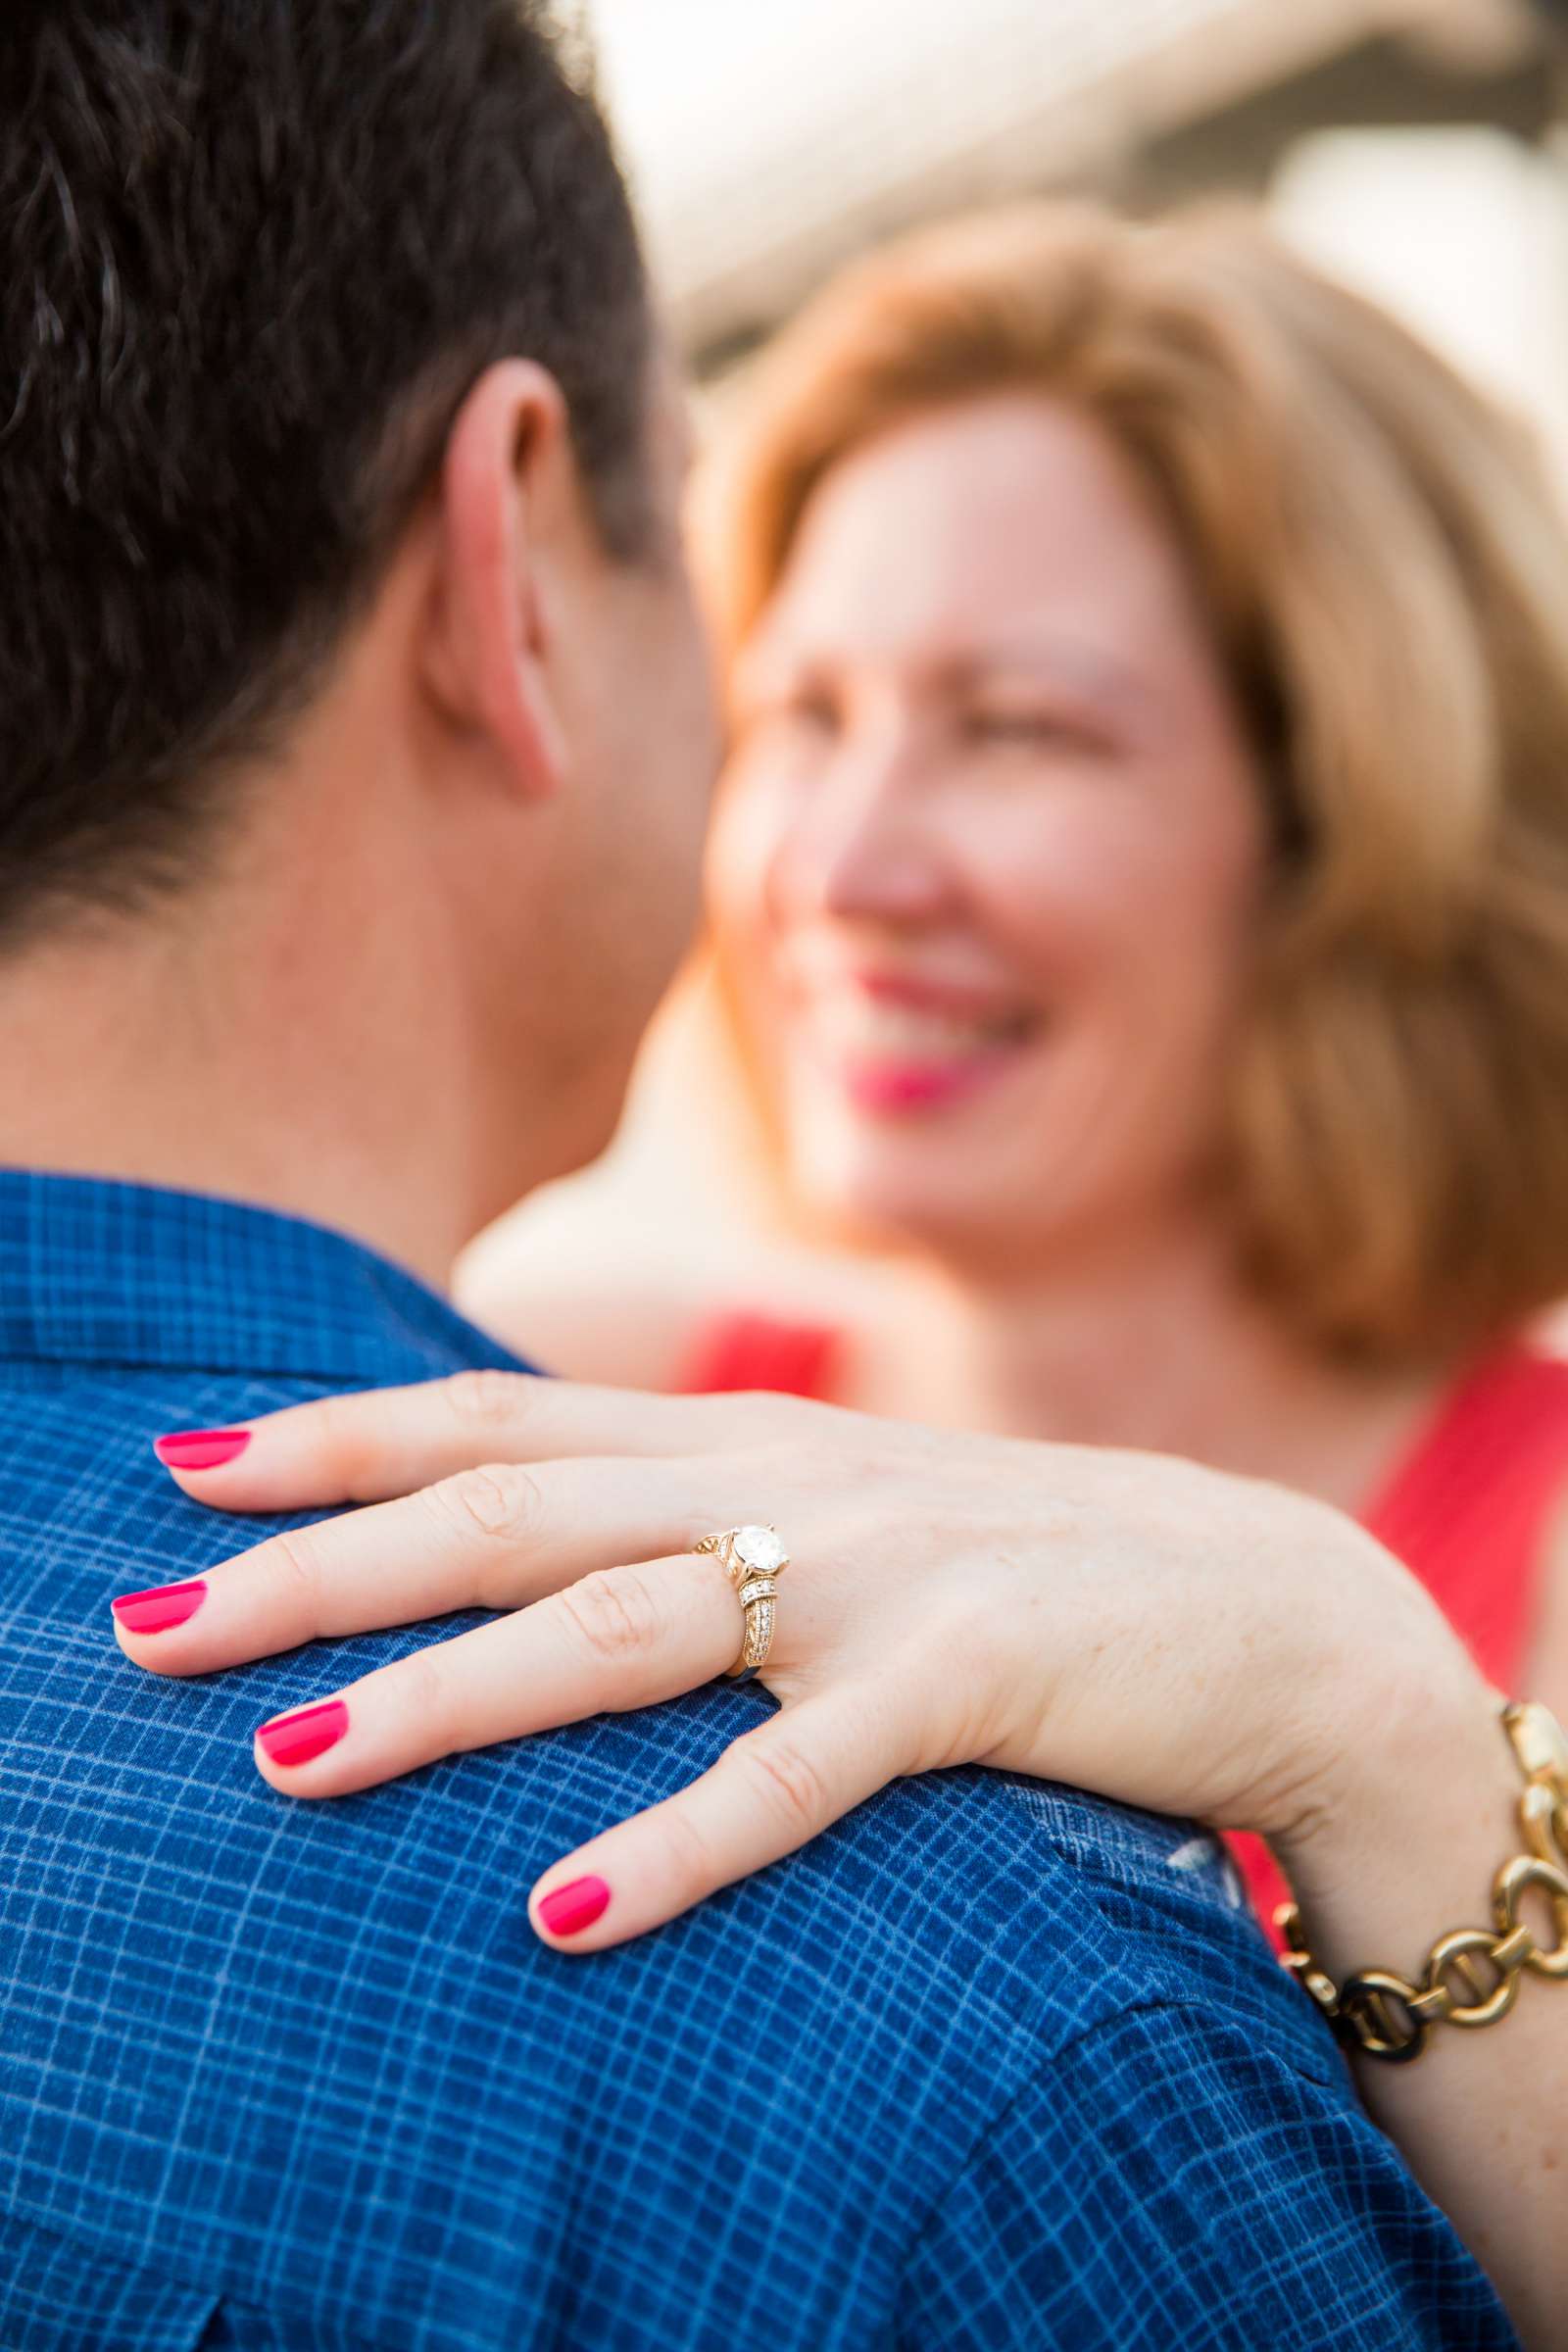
(1140,1627)
(1404,1848)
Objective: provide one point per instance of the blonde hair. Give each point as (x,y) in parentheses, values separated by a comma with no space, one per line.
(1386,579)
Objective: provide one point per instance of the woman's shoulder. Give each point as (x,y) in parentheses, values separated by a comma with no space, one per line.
(1473,1506)
(747,1347)
(633,1331)
(685,1328)
(1511,1403)
(1502,1409)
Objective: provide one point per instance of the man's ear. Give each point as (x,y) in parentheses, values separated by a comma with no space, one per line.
(507,484)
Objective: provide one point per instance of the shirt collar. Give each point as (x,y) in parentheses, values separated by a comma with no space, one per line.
(98,1272)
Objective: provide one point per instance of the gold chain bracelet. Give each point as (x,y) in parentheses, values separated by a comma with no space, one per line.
(1472,1975)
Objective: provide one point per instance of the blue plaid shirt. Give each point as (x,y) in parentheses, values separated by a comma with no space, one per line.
(989,2065)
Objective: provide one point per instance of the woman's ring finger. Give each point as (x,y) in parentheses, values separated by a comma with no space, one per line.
(753,1557)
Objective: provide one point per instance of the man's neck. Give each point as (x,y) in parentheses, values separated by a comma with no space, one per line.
(290,1049)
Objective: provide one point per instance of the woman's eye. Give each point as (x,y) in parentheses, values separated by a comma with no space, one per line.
(1006,726)
(1036,730)
(794,718)
(812,715)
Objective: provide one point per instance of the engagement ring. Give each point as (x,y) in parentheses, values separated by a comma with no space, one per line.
(753,1558)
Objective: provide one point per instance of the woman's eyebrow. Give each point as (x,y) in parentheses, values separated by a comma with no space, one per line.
(1057,661)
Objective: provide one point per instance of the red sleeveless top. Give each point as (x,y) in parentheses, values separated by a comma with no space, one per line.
(1467,1508)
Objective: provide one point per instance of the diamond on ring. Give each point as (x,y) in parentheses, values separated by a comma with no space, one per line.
(753,1556)
(760,1548)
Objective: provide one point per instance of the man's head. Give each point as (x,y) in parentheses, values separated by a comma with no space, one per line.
(334,422)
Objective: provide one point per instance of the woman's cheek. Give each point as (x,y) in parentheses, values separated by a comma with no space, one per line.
(1065,889)
(749,912)
(756,878)
(743,850)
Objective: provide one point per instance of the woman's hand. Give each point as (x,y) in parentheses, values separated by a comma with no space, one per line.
(1133,1625)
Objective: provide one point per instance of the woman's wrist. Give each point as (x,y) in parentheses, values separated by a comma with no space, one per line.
(1411,1822)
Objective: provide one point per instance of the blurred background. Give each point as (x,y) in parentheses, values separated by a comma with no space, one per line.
(1418,148)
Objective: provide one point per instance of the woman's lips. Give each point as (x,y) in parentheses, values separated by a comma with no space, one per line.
(891,1054)
(892,1087)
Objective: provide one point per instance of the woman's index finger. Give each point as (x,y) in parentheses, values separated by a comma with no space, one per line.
(373,1445)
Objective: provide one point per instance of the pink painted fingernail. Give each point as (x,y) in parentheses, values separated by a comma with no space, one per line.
(309,1732)
(155,1611)
(568,1910)
(200,1448)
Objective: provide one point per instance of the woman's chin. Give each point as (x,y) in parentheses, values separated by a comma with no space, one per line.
(865,1199)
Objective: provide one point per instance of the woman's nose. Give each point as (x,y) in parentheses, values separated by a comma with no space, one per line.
(866,847)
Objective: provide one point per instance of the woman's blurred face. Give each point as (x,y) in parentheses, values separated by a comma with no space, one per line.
(987,860)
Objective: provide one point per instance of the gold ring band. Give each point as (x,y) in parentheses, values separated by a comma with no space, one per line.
(754,1558)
